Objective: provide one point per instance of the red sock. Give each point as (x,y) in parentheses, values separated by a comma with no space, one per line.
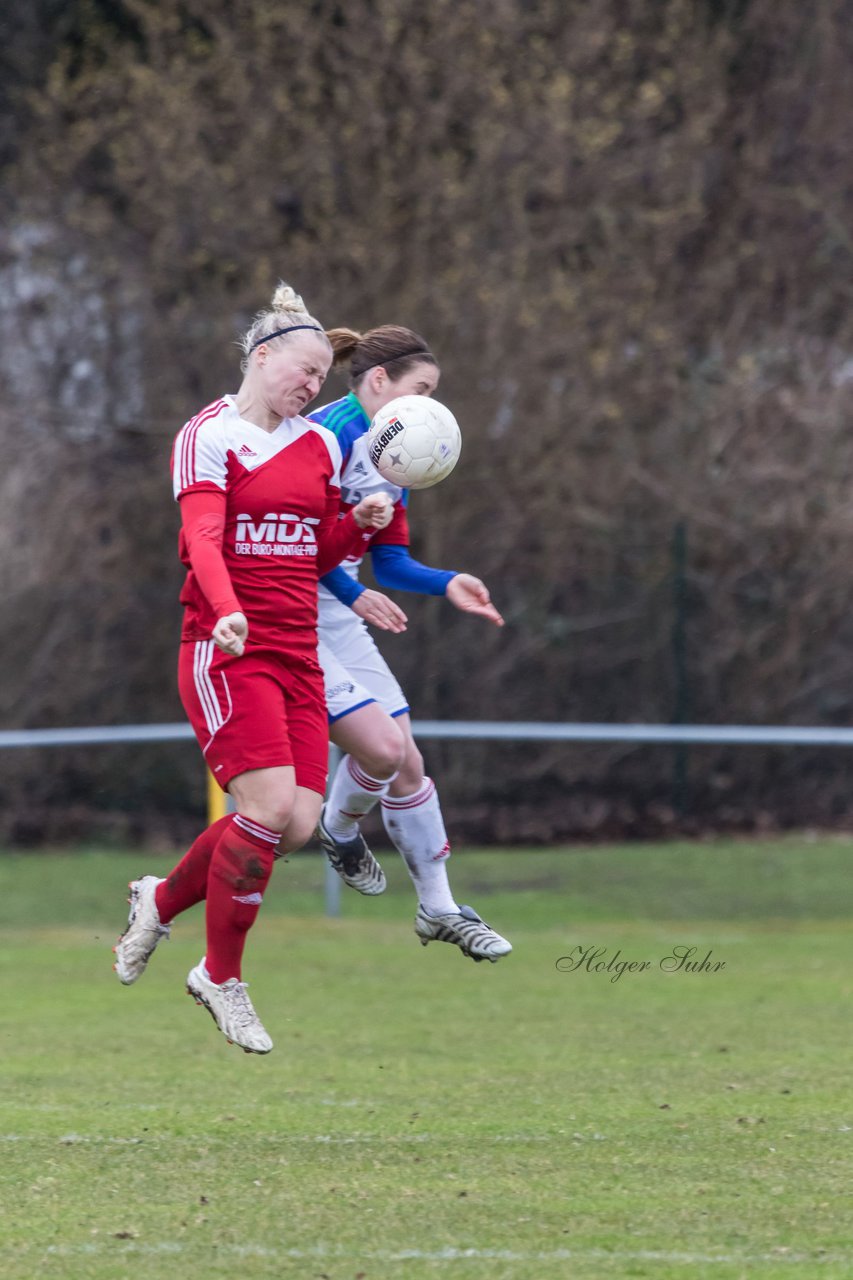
(239,872)
(186,884)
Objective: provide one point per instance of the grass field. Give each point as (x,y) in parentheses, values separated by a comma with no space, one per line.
(423,1116)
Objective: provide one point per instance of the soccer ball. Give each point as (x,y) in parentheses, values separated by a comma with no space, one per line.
(414,442)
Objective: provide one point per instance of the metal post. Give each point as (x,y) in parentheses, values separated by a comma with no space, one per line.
(679,656)
(332,882)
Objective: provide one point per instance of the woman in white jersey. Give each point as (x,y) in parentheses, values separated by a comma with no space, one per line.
(368,712)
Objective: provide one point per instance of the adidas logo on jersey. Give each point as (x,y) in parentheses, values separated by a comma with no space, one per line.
(359,469)
(245,452)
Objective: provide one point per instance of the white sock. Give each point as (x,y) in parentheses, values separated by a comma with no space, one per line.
(416,828)
(352,795)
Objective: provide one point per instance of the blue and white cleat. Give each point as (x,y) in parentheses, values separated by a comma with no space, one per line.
(352,860)
(465,930)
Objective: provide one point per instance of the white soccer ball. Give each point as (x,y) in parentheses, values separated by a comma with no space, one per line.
(414,442)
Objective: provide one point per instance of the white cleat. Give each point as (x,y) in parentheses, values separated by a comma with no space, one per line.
(229,1005)
(144,931)
(464,929)
(352,860)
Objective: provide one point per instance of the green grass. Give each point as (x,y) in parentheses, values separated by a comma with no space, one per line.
(422,1116)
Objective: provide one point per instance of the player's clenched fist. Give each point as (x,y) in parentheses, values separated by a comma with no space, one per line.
(231,632)
(374,512)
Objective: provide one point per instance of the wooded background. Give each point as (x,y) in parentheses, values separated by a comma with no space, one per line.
(627,231)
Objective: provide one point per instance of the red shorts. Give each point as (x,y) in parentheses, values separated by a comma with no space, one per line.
(256,712)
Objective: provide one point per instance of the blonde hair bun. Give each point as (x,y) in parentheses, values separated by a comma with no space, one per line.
(285,299)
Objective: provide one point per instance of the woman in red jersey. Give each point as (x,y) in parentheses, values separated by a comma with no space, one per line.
(259,493)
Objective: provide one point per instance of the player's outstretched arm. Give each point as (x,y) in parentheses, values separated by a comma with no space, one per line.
(472,596)
(395,569)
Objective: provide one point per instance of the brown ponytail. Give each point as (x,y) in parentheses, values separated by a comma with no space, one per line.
(344,344)
(396,348)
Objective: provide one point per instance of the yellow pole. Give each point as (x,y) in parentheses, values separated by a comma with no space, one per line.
(217,800)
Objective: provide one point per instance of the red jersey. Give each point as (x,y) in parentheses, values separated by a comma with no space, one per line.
(282,497)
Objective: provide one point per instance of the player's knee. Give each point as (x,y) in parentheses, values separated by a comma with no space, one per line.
(385,752)
(276,811)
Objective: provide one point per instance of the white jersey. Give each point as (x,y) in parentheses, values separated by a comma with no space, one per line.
(349,424)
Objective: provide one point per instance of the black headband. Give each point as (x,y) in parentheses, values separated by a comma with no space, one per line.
(415,351)
(268,337)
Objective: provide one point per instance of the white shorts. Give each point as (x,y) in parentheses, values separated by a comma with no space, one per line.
(355,671)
